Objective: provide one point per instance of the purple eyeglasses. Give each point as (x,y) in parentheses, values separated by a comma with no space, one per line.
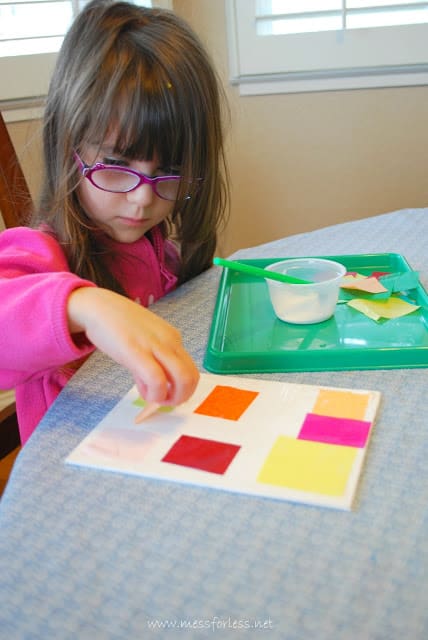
(117,179)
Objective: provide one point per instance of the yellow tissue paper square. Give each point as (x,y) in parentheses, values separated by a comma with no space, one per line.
(304,465)
(376,309)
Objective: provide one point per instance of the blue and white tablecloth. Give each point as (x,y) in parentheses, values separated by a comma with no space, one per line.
(87,554)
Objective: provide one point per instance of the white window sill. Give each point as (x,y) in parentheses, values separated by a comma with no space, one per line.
(357,79)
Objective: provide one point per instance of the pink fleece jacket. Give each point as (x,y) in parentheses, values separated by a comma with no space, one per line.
(37,353)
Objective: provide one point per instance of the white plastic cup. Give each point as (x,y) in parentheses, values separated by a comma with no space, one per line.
(306,303)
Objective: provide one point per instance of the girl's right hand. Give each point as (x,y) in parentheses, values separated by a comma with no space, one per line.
(148,346)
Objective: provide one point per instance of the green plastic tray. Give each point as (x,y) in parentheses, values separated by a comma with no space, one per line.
(246,336)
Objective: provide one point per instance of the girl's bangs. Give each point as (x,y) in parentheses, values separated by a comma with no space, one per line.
(149,124)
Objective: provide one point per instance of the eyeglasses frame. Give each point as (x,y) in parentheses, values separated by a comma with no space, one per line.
(87,171)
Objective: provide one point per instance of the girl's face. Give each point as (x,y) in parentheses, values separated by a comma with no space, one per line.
(125,217)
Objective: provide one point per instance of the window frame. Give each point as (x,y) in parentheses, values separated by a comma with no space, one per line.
(369,58)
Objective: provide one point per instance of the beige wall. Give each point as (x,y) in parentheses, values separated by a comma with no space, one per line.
(303,161)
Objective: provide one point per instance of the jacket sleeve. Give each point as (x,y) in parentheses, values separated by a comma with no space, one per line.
(35,283)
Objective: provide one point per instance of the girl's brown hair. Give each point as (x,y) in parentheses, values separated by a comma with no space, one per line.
(144,72)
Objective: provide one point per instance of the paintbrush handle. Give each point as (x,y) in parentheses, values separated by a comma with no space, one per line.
(149,409)
(257,271)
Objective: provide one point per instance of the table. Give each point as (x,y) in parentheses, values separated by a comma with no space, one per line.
(92,554)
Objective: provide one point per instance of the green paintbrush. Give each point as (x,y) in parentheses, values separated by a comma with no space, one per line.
(258,272)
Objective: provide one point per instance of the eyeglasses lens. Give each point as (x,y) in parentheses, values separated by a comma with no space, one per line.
(113,180)
(120,181)
(168,189)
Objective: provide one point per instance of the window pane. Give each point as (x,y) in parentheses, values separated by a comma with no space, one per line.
(386,18)
(364,4)
(278,7)
(385,13)
(30,20)
(37,26)
(299,25)
(277,17)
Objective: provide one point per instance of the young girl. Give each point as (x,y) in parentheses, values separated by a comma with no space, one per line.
(133,150)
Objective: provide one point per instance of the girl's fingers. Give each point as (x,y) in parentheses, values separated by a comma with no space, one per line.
(151,379)
(182,374)
(166,377)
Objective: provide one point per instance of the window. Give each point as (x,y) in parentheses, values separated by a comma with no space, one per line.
(31,33)
(280,46)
